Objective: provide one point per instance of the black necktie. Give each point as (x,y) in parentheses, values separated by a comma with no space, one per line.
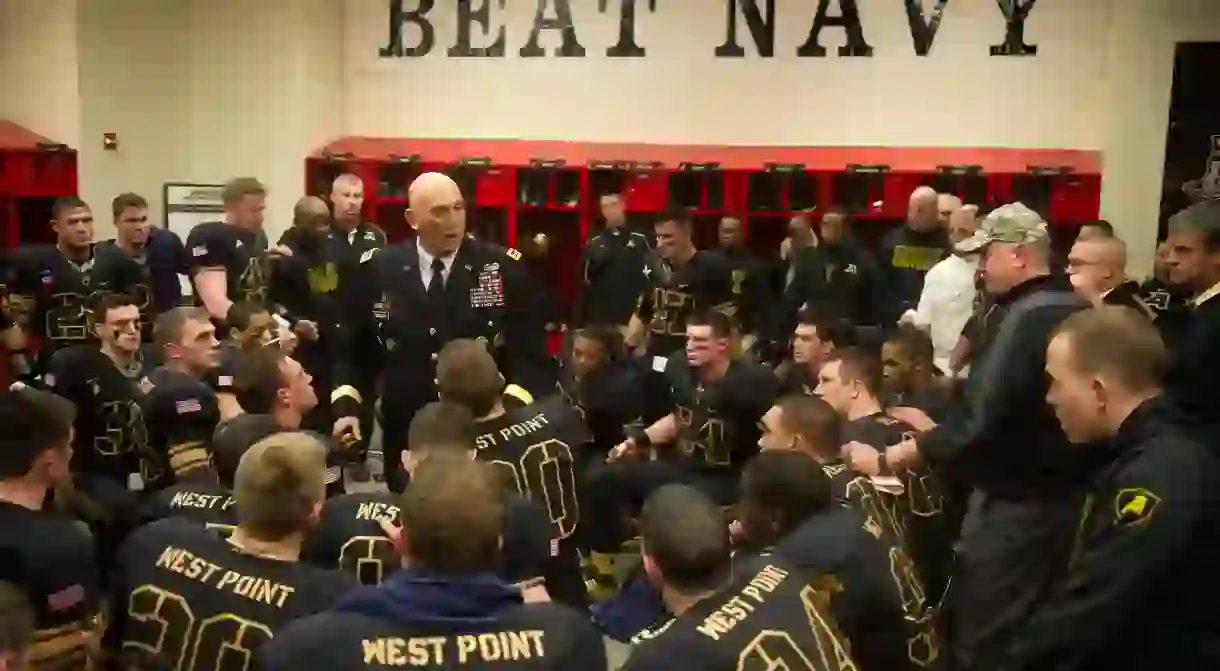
(436,288)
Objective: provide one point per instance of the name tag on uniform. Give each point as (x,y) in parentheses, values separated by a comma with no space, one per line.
(488,291)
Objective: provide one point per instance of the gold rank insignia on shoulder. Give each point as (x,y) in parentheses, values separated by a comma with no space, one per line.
(1134,506)
(513,254)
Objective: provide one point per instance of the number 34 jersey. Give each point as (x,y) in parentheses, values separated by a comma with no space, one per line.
(195,602)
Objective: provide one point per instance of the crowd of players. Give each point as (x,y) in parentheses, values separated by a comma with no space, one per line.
(955,452)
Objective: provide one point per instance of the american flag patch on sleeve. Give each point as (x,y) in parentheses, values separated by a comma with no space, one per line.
(188,405)
(333,473)
(199,251)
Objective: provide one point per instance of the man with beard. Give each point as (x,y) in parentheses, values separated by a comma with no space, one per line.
(1002,440)
(851,383)
(602,385)
(765,612)
(908,253)
(227,262)
(350,238)
(182,407)
(717,404)
(1193,378)
(1098,270)
(438,287)
(814,339)
(613,268)
(948,299)
(1168,300)
(839,280)
(749,278)
(46,555)
(911,378)
(143,260)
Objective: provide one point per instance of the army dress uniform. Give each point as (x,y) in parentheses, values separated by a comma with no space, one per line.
(479,292)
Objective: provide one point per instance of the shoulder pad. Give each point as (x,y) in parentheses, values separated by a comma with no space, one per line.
(512,254)
(367,255)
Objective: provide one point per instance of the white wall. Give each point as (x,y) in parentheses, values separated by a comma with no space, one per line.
(38,67)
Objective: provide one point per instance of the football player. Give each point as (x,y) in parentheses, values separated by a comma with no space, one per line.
(202,602)
(602,385)
(226,258)
(16,627)
(813,340)
(47,556)
(251,326)
(765,612)
(851,383)
(536,447)
(911,378)
(444,610)
(182,408)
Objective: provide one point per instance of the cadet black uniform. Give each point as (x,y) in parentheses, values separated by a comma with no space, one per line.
(920,509)
(201,604)
(130,275)
(209,504)
(539,448)
(1129,295)
(795,378)
(749,286)
(613,276)
(494,631)
(771,615)
(239,252)
(835,281)
(51,559)
(607,400)
(488,295)
(675,293)
(1137,593)
(1171,306)
(232,438)
(182,414)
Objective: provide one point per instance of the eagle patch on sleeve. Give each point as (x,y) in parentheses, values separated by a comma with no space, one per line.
(513,254)
(1134,506)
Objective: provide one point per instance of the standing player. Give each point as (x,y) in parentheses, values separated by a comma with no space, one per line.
(227,263)
(851,384)
(201,602)
(536,447)
(182,409)
(49,557)
(443,611)
(767,614)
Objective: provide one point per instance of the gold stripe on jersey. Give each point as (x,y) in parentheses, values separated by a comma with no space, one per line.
(187,457)
(519,393)
(345,391)
(65,647)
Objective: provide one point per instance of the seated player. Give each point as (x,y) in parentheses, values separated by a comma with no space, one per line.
(182,409)
(46,555)
(789,509)
(764,613)
(16,628)
(445,609)
(205,603)
(603,385)
(814,339)
(535,447)
(270,384)
(851,384)
(911,378)
(251,326)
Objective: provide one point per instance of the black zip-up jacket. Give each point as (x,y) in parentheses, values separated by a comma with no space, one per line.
(1001,436)
(1137,594)
(904,259)
(613,275)
(1193,378)
(1172,308)
(837,281)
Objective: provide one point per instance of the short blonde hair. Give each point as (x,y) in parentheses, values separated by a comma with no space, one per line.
(278,483)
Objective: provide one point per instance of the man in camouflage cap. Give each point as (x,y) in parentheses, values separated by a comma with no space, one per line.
(1015,245)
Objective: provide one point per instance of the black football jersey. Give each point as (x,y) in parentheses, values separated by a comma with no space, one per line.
(607,401)
(221,377)
(539,448)
(719,422)
(111,431)
(55,292)
(533,637)
(796,379)
(182,415)
(238,251)
(51,558)
(771,615)
(199,603)
(209,504)
(130,275)
(675,293)
(348,536)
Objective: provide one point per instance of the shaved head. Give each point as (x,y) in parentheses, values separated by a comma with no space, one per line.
(309,206)
(347,195)
(946,205)
(1097,266)
(922,213)
(437,212)
(963,223)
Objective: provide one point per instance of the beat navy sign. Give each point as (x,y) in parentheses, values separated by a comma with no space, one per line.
(746,22)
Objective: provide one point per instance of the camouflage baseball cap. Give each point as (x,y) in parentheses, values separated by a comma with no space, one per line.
(1015,223)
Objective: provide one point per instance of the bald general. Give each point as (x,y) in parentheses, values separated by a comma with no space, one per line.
(437,212)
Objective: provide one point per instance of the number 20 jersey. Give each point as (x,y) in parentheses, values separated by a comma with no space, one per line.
(539,449)
(188,598)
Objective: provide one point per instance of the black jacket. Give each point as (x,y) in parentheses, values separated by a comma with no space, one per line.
(904,259)
(837,281)
(614,276)
(1137,594)
(1193,378)
(1002,436)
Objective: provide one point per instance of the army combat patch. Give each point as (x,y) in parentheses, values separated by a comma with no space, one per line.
(1134,506)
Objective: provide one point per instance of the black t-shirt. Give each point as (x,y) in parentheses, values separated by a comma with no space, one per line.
(201,604)
(675,293)
(111,434)
(771,615)
(51,559)
(539,448)
(209,504)
(182,414)
(719,421)
(238,251)
(531,637)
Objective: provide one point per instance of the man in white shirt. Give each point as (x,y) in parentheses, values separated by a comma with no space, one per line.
(947,300)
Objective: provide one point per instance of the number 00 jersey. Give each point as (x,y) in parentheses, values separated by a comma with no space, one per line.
(192,600)
(539,449)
